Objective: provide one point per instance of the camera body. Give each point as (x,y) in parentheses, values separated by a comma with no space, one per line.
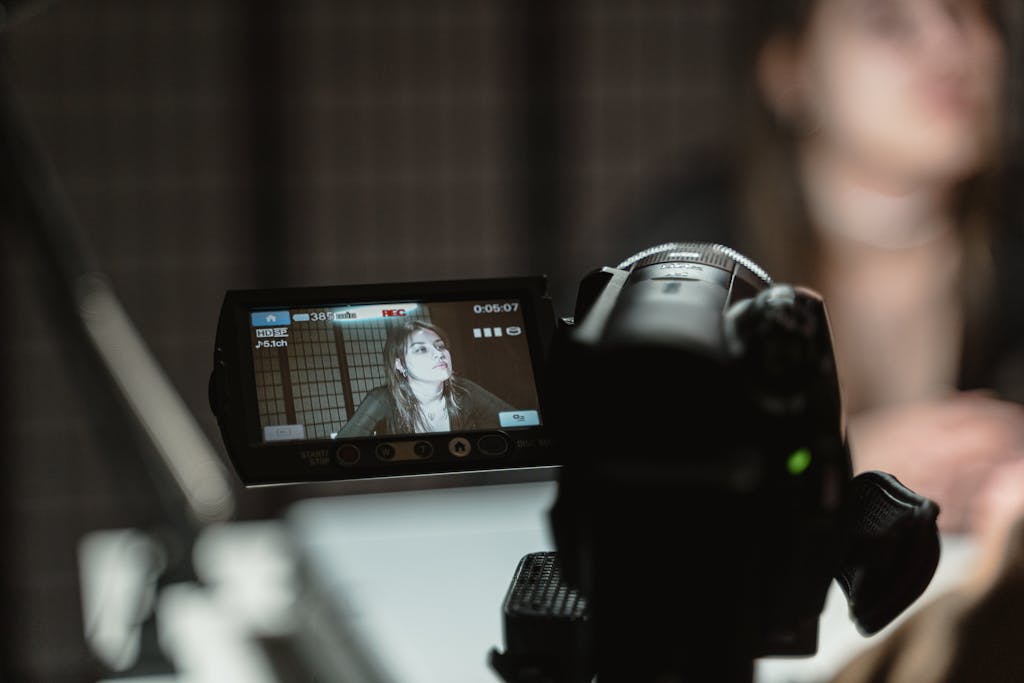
(721,457)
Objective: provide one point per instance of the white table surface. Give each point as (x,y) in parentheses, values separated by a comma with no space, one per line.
(418,578)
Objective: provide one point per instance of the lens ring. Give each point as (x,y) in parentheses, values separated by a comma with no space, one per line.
(696,252)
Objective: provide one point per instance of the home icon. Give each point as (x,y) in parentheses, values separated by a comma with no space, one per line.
(459,447)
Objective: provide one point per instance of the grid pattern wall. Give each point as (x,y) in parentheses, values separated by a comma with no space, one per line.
(644,93)
(270,389)
(316,379)
(403,160)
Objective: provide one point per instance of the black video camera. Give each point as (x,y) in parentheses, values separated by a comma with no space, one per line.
(690,410)
(706,498)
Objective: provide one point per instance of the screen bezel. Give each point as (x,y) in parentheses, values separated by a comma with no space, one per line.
(267,462)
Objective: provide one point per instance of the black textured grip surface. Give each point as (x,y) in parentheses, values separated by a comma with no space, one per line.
(538,590)
(544,617)
(893,549)
(879,509)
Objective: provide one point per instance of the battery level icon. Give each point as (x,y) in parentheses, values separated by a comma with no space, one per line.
(301,317)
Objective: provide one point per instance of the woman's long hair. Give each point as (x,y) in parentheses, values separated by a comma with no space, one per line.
(407,414)
(774,216)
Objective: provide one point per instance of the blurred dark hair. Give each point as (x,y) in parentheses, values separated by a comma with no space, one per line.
(774,215)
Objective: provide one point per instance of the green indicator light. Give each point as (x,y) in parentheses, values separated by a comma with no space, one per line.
(799,460)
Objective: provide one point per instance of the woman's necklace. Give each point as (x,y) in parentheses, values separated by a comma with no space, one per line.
(436,411)
(434,408)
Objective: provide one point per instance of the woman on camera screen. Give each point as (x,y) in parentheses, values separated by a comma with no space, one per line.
(422,393)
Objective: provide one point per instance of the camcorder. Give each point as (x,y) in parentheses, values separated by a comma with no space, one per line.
(368,381)
(690,405)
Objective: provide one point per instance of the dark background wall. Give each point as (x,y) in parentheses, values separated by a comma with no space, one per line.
(208,145)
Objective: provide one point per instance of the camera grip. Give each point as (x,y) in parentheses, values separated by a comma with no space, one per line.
(546,626)
(892,549)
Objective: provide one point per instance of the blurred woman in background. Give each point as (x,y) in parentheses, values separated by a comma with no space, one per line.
(871,168)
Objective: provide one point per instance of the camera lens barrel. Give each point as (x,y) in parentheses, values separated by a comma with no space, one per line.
(691,260)
(675,293)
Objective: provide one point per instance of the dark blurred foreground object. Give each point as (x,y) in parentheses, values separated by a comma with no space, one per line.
(145,425)
(122,381)
(706,499)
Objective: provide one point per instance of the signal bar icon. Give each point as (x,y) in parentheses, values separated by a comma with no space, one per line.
(486,332)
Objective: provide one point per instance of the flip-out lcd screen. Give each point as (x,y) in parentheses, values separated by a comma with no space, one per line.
(367,381)
(393,368)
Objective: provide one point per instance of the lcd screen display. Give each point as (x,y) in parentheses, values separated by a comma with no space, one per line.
(393,368)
